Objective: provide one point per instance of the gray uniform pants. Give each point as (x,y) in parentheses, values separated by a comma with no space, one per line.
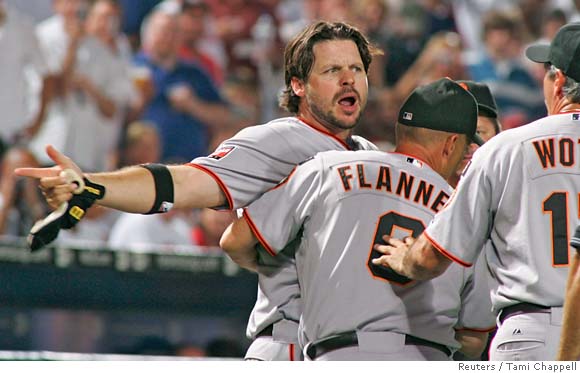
(267,349)
(528,336)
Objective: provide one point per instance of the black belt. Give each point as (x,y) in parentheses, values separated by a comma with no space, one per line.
(266,332)
(350,339)
(521,308)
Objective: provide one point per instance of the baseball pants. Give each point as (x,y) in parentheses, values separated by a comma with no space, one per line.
(528,336)
(265,348)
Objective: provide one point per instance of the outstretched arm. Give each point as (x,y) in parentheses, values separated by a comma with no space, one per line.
(130,189)
(570,340)
(239,242)
(418,260)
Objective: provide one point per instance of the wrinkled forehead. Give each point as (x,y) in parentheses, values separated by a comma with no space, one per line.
(336,52)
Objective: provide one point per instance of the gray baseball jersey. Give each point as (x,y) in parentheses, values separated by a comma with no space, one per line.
(247,165)
(521,191)
(339,204)
(258,157)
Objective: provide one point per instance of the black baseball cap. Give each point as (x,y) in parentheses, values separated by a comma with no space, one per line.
(442,105)
(563,52)
(486,105)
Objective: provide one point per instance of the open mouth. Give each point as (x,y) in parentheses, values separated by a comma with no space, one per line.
(348,101)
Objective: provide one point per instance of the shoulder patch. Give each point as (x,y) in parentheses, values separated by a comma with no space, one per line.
(221,152)
(575,116)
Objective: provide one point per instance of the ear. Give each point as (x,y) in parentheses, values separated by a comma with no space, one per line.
(559,81)
(297,87)
(450,144)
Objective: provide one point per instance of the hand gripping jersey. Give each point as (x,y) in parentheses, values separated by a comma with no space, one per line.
(522,192)
(339,204)
(247,165)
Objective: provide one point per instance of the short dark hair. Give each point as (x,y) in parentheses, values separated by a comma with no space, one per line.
(299,55)
(509,21)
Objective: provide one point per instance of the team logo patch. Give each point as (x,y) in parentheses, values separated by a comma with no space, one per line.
(415,162)
(407,115)
(221,152)
(575,116)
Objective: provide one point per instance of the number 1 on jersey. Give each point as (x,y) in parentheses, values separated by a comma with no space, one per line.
(557,206)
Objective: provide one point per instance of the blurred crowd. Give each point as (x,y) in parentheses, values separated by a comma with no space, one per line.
(116,83)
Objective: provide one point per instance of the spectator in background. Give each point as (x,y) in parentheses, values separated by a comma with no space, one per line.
(22,103)
(85,81)
(102,39)
(488,124)
(134,12)
(192,30)
(103,24)
(371,18)
(468,18)
(551,23)
(88,86)
(233,22)
(501,66)
(441,57)
(186,106)
(208,231)
(141,145)
(130,231)
(152,232)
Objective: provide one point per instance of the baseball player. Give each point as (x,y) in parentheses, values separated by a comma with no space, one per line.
(326,88)
(521,193)
(339,204)
(487,123)
(570,341)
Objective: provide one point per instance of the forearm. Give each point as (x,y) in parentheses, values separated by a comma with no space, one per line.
(570,340)
(239,243)
(472,342)
(132,189)
(423,261)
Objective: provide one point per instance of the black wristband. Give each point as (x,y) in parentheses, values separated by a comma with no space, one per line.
(163,187)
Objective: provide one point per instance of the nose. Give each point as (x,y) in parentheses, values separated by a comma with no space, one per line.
(347,78)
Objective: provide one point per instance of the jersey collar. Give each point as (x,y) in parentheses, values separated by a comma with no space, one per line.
(324,132)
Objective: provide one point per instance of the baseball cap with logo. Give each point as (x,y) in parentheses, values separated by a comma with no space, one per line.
(486,105)
(563,52)
(442,105)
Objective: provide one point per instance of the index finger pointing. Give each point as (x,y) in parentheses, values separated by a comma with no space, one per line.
(37,172)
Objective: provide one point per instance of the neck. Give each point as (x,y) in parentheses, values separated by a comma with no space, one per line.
(309,118)
(429,157)
(565,106)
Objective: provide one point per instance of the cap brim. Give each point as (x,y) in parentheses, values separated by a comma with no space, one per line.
(539,53)
(486,111)
(477,140)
